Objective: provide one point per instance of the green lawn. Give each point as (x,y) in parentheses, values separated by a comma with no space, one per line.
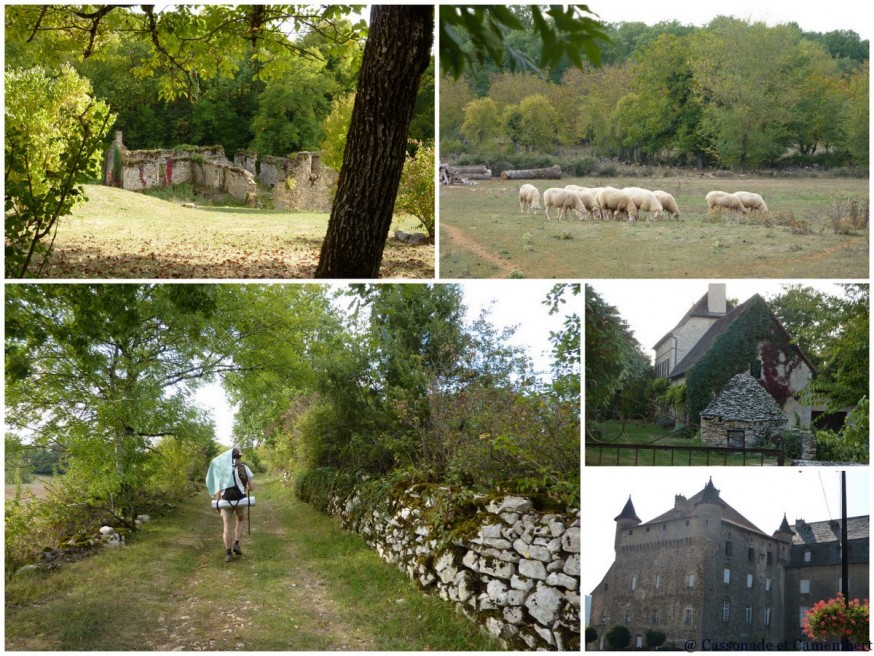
(483,234)
(123,234)
(643,435)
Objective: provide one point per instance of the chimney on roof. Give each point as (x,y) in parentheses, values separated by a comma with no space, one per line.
(716,298)
(680,502)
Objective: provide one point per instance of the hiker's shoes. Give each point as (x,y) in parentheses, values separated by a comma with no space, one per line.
(229,556)
(237,549)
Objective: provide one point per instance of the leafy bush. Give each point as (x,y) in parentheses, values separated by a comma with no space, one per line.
(619,637)
(851,444)
(416,191)
(655,638)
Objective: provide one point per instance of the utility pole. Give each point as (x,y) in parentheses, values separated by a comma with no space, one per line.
(845,567)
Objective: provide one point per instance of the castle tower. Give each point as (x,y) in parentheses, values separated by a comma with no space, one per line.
(709,510)
(625,521)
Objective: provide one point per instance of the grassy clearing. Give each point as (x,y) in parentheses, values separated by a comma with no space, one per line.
(122,234)
(302,584)
(638,433)
(483,234)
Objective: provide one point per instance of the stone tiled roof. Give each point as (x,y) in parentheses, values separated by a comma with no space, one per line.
(708,495)
(743,399)
(822,540)
(699,309)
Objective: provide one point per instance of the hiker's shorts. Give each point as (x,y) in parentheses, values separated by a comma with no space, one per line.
(240,511)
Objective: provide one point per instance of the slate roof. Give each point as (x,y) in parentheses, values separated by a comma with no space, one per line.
(822,539)
(628,512)
(708,495)
(699,309)
(744,399)
(717,329)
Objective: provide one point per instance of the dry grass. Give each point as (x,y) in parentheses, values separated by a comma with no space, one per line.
(121,234)
(798,239)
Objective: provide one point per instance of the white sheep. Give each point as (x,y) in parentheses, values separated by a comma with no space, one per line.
(529,198)
(723,200)
(589,201)
(563,200)
(752,201)
(618,202)
(669,203)
(645,200)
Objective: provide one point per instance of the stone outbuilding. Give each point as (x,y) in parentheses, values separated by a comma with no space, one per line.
(742,415)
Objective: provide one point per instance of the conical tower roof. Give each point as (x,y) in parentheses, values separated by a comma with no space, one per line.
(628,512)
(743,399)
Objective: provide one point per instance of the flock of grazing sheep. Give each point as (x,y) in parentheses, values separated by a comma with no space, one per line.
(627,203)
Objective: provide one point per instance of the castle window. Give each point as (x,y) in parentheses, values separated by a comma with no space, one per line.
(638,642)
(690,581)
(802,611)
(748,614)
(840,584)
(749,580)
(766,617)
(726,575)
(634,582)
(628,616)
(770,560)
(807,556)
(655,616)
(727,548)
(726,608)
(768,584)
(751,554)
(687,616)
(687,522)
(607,586)
(805,586)
(603,617)
(658,581)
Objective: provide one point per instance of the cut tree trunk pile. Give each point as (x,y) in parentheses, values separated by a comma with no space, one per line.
(552,173)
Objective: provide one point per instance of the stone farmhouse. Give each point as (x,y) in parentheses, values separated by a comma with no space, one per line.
(299,183)
(702,572)
(779,365)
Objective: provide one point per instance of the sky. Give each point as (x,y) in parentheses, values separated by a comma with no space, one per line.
(761,494)
(653,307)
(811,15)
(513,303)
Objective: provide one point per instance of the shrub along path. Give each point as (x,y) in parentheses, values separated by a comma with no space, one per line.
(301,584)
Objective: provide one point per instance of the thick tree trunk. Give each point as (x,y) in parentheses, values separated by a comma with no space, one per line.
(552,173)
(398,51)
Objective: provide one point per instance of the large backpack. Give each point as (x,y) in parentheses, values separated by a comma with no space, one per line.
(233,493)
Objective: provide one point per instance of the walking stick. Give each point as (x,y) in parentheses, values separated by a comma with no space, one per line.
(249,512)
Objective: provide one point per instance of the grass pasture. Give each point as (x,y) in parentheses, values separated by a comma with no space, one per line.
(483,234)
(123,234)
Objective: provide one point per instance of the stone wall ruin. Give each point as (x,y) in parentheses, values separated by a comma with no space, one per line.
(515,571)
(300,183)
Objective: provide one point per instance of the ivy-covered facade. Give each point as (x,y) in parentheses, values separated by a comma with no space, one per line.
(716,340)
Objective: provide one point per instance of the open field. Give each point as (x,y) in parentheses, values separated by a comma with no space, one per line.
(36,489)
(122,234)
(483,234)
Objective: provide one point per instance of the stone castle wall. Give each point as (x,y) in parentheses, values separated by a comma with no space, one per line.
(517,573)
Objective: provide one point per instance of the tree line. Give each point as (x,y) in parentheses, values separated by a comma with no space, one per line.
(730,94)
(831,330)
(369,381)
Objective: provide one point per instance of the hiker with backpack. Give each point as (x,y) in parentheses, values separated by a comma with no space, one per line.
(229,480)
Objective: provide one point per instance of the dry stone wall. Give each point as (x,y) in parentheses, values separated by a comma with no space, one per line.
(515,571)
(300,183)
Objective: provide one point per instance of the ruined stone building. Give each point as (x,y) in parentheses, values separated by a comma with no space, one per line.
(703,572)
(778,364)
(299,183)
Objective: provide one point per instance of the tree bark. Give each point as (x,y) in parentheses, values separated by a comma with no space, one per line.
(552,173)
(398,51)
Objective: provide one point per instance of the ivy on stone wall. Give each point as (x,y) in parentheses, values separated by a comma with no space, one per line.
(738,350)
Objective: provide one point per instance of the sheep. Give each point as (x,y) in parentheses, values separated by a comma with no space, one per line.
(752,201)
(722,200)
(617,201)
(669,204)
(588,197)
(563,200)
(529,198)
(605,214)
(645,200)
